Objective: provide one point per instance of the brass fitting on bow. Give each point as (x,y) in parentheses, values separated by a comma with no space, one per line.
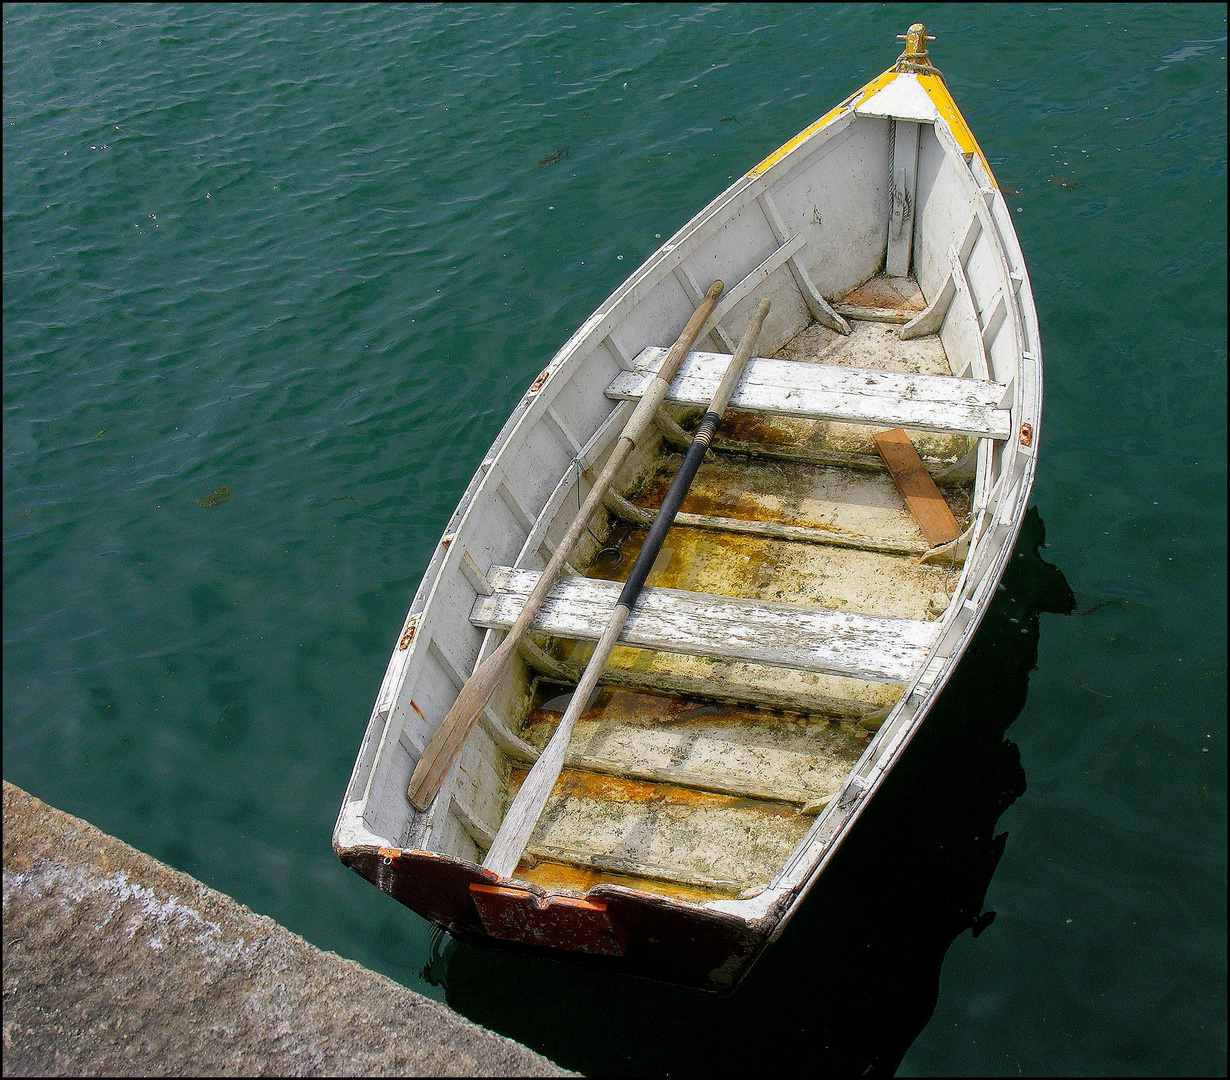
(915,57)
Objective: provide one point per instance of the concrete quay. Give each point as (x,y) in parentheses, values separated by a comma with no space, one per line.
(116,964)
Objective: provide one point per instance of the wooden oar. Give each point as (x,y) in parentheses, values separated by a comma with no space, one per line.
(526,808)
(455,728)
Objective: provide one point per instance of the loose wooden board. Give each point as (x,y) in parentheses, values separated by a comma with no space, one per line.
(915,484)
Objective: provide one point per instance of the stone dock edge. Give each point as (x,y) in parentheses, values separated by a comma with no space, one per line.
(116,964)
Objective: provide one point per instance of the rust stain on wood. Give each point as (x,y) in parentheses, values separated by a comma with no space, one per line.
(644,706)
(747,427)
(915,484)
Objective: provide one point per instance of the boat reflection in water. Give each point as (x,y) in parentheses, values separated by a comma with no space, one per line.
(854,978)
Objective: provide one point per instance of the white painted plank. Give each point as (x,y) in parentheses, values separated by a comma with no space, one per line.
(825,378)
(832,392)
(674,620)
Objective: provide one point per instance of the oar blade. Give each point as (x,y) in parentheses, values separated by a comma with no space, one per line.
(526,809)
(445,745)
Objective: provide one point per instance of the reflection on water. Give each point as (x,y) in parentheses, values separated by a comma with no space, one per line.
(854,978)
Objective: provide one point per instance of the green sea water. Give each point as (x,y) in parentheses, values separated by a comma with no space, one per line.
(275,275)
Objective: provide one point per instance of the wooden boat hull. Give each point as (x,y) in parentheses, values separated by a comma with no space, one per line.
(677,861)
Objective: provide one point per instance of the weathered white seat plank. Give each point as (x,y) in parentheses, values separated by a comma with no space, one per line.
(831,392)
(674,620)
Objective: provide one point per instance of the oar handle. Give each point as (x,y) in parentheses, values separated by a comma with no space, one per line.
(683,345)
(743,353)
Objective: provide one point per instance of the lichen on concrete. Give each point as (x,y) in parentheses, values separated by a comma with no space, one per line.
(115,964)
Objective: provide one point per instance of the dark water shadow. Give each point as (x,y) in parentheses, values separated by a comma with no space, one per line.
(854,978)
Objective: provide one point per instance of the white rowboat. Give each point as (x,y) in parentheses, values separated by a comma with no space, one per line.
(812,598)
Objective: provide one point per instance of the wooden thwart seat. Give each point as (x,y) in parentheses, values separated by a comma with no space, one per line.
(673,620)
(831,392)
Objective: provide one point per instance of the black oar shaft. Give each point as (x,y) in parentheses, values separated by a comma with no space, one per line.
(665,517)
(692,460)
